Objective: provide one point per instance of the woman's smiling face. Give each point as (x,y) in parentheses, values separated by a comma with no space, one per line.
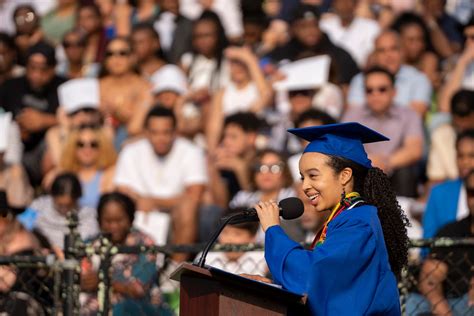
(320,184)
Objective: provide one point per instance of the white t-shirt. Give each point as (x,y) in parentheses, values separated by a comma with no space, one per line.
(358,38)
(239,100)
(140,169)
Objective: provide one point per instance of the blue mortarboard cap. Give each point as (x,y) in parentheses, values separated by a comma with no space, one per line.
(344,140)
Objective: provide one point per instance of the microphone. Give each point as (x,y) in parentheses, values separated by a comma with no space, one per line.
(290,208)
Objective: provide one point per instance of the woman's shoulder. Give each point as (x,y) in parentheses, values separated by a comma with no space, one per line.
(137,237)
(360,215)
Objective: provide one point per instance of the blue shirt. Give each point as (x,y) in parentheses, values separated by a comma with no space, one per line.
(349,274)
(410,83)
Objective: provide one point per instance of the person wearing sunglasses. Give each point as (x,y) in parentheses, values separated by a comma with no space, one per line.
(398,158)
(89,153)
(271,180)
(125,95)
(75,64)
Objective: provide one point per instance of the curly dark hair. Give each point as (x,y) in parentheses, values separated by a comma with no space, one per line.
(374,186)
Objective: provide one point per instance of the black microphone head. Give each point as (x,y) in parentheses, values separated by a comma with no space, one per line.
(291,208)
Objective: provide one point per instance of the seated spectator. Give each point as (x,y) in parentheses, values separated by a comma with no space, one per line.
(59,20)
(13,178)
(205,65)
(229,164)
(33,101)
(174,29)
(89,21)
(462,76)
(19,290)
(147,49)
(170,89)
(8,64)
(79,106)
(125,96)
(28,32)
(90,155)
(246,91)
(271,180)
(413,87)
(327,98)
(354,34)
(311,117)
(397,158)
(249,262)
(309,40)
(133,277)
(75,64)
(447,201)
(49,213)
(417,49)
(442,153)
(164,174)
(446,277)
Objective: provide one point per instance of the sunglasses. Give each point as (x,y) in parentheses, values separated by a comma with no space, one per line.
(119,53)
(383,89)
(273,168)
(92,144)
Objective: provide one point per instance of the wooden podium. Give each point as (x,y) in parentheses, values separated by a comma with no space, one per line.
(214,292)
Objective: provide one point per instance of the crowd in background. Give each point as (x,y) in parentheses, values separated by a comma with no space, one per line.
(152,119)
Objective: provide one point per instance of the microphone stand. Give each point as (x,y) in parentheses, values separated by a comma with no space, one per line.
(210,243)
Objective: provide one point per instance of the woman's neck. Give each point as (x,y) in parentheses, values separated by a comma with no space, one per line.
(122,79)
(149,66)
(241,84)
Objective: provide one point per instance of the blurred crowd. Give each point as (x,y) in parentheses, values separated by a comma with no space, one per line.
(152,119)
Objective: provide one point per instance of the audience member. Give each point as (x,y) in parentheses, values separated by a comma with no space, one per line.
(8,61)
(249,262)
(413,87)
(399,157)
(354,34)
(205,66)
(27,30)
(164,173)
(146,46)
(75,64)
(246,91)
(13,178)
(49,213)
(270,180)
(174,29)
(125,96)
(309,40)
(133,277)
(33,100)
(442,153)
(447,201)
(229,163)
(89,21)
(417,50)
(462,76)
(90,155)
(60,20)
(445,281)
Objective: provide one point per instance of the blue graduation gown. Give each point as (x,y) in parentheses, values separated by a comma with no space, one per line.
(349,274)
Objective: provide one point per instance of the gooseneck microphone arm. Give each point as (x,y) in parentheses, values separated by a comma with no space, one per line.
(210,243)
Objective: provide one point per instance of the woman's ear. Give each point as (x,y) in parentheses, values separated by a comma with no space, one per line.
(345,176)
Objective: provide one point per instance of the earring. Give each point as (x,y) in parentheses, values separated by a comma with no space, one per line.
(343,194)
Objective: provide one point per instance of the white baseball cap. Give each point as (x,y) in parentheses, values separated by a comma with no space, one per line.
(77,94)
(169,78)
